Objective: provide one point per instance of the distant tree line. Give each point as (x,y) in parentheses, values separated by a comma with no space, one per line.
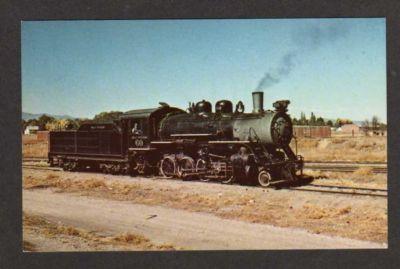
(319,121)
(374,125)
(49,123)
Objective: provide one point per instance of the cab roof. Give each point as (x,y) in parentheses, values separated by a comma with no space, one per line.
(145,113)
(139,113)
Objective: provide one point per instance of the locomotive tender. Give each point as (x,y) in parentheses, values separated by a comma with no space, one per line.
(227,145)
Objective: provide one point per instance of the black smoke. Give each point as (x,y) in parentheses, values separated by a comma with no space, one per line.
(274,76)
(307,39)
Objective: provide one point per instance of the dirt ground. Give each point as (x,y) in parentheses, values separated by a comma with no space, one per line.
(98,221)
(42,235)
(360,218)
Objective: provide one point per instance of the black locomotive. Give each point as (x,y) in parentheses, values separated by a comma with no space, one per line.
(227,145)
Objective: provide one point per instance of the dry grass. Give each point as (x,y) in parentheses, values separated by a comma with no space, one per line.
(364,171)
(31,147)
(283,210)
(317,212)
(54,180)
(53,230)
(355,149)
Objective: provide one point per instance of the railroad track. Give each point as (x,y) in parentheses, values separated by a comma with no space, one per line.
(348,163)
(34,159)
(346,167)
(38,167)
(325,189)
(311,164)
(332,189)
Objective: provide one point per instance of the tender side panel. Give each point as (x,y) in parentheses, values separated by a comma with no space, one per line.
(62,142)
(99,142)
(107,142)
(88,142)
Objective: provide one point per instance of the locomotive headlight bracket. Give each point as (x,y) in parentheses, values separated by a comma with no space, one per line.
(281,129)
(281,105)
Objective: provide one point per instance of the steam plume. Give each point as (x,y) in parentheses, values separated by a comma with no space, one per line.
(310,38)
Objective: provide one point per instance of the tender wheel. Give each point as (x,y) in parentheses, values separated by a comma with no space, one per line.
(65,166)
(69,166)
(73,166)
(115,169)
(103,168)
(201,168)
(186,164)
(168,167)
(264,178)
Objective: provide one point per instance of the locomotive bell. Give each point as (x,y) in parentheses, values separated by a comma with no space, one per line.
(258,102)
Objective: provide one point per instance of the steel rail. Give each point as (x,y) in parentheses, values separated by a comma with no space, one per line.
(37,167)
(347,168)
(346,187)
(336,192)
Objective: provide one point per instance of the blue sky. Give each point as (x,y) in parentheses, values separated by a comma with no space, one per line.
(333,67)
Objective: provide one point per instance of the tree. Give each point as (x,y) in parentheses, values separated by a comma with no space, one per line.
(43,120)
(383,126)
(107,116)
(32,122)
(313,119)
(303,119)
(375,123)
(329,123)
(53,126)
(62,124)
(320,122)
(339,122)
(365,126)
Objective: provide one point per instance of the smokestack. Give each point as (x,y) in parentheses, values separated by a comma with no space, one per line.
(258,102)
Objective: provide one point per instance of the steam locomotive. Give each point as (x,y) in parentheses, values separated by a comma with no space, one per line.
(227,145)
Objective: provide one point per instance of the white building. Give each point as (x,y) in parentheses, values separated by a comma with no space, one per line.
(31,130)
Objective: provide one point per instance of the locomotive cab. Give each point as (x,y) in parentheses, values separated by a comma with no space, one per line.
(142,126)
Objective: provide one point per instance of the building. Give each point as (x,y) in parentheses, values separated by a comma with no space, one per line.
(43,136)
(311,131)
(349,129)
(31,130)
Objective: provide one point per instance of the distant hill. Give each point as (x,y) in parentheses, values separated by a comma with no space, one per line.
(28,116)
